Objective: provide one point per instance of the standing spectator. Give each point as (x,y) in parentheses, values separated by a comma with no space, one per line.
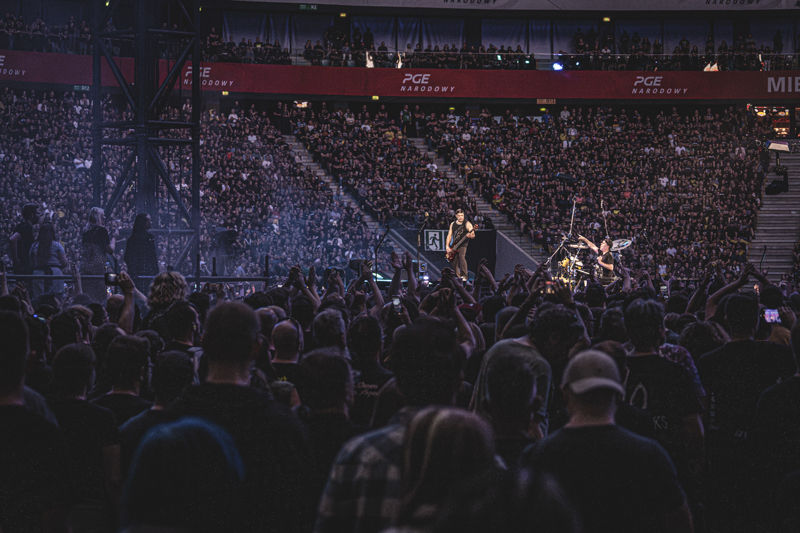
(444,448)
(22,238)
(96,244)
(140,249)
(663,388)
(92,439)
(616,480)
(365,342)
(276,492)
(47,257)
(128,367)
(172,374)
(35,485)
(199,488)
(364,492)
(735,376)
(287,338)
(328,396)
(183,322)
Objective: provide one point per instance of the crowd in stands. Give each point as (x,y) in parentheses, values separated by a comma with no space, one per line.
(375,159)
(257,197)
(492,406)
(685,187)
(593,50)
(590,51)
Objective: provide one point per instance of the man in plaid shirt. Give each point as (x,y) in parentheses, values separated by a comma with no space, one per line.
(365,489)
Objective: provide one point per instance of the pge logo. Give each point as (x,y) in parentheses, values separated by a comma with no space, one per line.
(422,83)
(417,78)
(653,85)
(648,81)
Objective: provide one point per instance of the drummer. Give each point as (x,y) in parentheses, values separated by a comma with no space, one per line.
(605,260)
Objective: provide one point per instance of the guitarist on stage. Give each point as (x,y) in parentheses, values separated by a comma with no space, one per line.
(460,230)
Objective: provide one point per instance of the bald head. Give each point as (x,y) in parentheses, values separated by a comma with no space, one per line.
(287,339)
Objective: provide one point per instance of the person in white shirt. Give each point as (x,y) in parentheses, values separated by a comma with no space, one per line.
(564,114)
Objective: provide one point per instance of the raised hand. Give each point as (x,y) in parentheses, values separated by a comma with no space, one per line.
(396,263)
(408,262)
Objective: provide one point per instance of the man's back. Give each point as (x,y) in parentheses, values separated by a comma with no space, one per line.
(776,431)
(616,480)
(124,406)
(34,475)
(364,491)
(274,448)
(736,374)
(537,363)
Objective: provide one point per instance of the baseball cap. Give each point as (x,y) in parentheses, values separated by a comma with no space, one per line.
(590,370)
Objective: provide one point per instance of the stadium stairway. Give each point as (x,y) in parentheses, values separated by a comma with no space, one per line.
(521,240)
(779,224)
(306,159)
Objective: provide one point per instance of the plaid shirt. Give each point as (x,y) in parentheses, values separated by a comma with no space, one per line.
(364,489)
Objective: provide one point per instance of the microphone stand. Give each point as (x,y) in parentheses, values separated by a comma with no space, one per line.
(419,237)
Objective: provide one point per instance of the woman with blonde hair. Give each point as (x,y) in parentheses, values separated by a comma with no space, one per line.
(444,448)
(95,245)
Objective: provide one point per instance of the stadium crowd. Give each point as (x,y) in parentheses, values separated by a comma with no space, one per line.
(593,50)
(375,160)
(685,187)
(257,197)
(497,406)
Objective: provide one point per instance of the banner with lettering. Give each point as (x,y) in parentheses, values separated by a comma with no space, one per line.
(415,84)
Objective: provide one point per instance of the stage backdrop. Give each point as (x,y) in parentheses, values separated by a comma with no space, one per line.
(419,84)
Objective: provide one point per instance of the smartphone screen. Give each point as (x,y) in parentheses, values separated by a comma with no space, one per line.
(771,316)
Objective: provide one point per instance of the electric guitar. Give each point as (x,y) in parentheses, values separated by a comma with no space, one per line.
(454,250)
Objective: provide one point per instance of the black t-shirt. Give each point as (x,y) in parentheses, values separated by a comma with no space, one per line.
(735,375)
(459,230)
(133,431)
(274,447)
(34,469)
(290,372)
(607,258)
(88,428)
(25,229)
(776,431)
(327,432)
(367,382)
(666,391)
(616,481)
(124,406)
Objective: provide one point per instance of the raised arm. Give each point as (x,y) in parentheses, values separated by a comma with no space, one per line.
(412,291)
(589,243)
(366,273)
(713,300)
(397,280)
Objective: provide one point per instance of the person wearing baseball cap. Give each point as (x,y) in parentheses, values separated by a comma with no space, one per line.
(616,480)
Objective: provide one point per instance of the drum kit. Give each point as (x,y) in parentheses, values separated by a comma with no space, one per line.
(571,269)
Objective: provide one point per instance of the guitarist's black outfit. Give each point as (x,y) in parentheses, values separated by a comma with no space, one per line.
(459,262)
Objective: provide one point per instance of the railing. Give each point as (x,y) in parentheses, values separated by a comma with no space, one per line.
(452,59)
(506,60)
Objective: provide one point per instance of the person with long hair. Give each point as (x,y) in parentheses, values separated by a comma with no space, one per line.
(444,447)
(47,256)
(140,250)
(96,244)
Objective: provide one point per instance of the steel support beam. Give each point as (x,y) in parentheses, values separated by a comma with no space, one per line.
(147,96)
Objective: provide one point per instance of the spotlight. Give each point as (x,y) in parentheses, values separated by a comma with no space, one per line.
(558,66)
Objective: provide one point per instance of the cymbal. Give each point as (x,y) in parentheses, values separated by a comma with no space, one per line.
(621,244)
(579,246)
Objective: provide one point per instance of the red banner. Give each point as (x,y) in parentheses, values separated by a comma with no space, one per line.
(783,86)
